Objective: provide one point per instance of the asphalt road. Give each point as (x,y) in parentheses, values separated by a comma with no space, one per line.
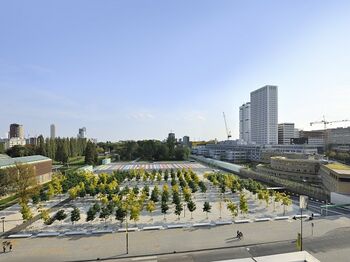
(315,206)
(332,247)
(329,238)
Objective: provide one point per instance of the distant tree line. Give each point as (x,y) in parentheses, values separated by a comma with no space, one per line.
(59,149)
(151,150)
(340,156)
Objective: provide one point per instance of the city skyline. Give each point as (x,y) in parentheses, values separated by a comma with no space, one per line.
(179,69)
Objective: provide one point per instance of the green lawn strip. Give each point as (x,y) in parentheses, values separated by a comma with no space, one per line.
(8,201)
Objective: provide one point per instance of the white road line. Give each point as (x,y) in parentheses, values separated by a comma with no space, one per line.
(150,258)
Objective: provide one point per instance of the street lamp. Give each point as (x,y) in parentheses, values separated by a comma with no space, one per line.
(3,224)
(303,202)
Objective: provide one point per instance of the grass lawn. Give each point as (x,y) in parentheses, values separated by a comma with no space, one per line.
(338,166)
(8,201)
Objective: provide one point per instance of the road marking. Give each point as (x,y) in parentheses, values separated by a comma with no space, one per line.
(150,258)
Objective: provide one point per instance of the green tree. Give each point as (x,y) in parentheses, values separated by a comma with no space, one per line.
(50,191)
(155,194)
(75,215)
(35,199)
(90,215)
(135,211)
(150,207)
(191,207)
(23,179)
(105,213)
(120,214)
(232,207)
(91,156)
(57,184)
(286,201)
(178,210)
(187,194)
(164,208)
(44,215)
(60,215)
(159,177)
(202,187)
(41,150)
(206,208)
(243,203)
(145,190)
(25,211)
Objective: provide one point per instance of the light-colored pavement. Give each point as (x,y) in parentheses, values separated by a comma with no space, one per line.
(164,241)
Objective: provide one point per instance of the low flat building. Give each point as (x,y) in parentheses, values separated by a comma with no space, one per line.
(336,177)
(236,152)
(298,170)
(42,165)
(11,142)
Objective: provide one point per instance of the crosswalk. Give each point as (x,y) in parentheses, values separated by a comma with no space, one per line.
(147,166)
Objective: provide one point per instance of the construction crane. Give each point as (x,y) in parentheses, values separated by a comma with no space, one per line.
(228,133)
(325,123)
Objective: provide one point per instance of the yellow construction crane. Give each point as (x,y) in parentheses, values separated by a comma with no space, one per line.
(228,133)
(325,122)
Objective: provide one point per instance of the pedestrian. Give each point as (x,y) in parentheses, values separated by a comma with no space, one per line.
(10,246)
(4,247)
(237,234)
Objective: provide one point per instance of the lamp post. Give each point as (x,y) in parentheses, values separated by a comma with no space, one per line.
(127,236)
(303,202)
(3,224)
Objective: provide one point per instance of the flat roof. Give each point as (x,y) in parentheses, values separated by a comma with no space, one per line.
(4,162)
(339,168)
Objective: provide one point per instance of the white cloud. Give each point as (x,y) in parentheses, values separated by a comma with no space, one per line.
(141,116)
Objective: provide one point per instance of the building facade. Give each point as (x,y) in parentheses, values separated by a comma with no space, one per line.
(16,130)
(52,131)
(186,141)
(338,136)
(315,138)
(11,142)
(82,132)
(286,132)
(336,178)
(42,166)
(244,123)
(264,115)
(298,170)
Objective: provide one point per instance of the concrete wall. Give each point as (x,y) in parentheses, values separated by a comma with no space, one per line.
(339,199)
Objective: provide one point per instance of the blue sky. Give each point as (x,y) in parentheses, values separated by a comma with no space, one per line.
(138,69)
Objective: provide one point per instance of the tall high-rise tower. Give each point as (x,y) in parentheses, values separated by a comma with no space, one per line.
(244,123)
(82,132)
(16,130)
(52,131)
(264,115)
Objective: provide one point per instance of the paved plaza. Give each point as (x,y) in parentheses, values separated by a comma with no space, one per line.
(148,166)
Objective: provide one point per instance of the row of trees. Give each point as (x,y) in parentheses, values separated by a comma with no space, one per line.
(152,150)
(342,156)
(234,184)
(59,149)
(131,201)
(56,148)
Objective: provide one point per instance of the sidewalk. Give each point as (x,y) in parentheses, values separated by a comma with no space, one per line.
(164,241)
